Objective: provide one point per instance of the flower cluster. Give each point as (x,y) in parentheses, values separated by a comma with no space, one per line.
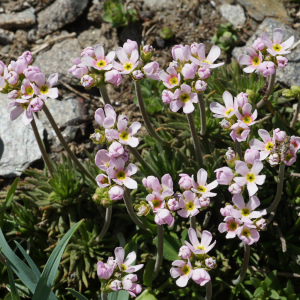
(195,261)
(237,115)
(116,274)
(265,55)
(95,69)
(185,77)
(27,86)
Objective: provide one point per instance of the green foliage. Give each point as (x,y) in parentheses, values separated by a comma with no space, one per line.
(166,33)
(226,36)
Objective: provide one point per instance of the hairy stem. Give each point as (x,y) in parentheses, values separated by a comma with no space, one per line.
(140,159)
(208,291)
(279,189)
(108,214)
(262,102)
(193,222)
(295,116)
(104,296)
(42,149)
(201,105)
(148,124)
(131,212)
(206,219)
(65,145)
(238,148)
(160,248)
(103,92)
(195,139)
(244,265)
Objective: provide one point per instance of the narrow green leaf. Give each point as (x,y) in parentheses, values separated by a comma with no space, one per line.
(11,192)
(13,289)
(171,247)
(77,295)
(146,295)
(121,295)
(131,246)
(148,273)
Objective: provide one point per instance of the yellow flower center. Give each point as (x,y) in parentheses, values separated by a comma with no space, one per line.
(269,146)
(121,175)
(173,80)
(128,66)
(201,189)
(227,112)
(101,63)
(186,270)
(24,105)
(44,89)
(184,97)
(250,177)
(256,61)
(104,180)
(232,226)
(29,90)
(190,206)
(246,232)
(245,212)
(277,47)
(156,203)
(205,61)
(288,157)
(240,130)
(200,248)
(124,136)
(247,119)
(123,267)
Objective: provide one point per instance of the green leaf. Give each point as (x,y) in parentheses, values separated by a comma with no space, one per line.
(11,192)
(289,290)
(146,295)
(264,286)
(270,278)
(184,235)
(76,294)
(121,295)
(258,292)
(148,273)
(45,282)
(274,295)
(171,247)
(131,246)
(255,282)
(14,292)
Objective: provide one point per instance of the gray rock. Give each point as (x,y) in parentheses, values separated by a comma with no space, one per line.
(132,32)
(21,19)
(58,14)
(160,4)
(6,36)
(18,147)
(290,75)
(95,12)
(259,9)
(234,14)
(5,49)
(62,112)
(59,59)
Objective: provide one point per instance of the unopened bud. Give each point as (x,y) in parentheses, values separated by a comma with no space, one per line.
(225,124)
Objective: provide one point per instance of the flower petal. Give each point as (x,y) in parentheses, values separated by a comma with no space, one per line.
(278,35)
(201,177)
(214,53)
(238,201)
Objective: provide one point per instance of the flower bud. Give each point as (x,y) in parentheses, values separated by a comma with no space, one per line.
(12,78)
(224,175)
(261,224)
(230,154)
(13,94)
(282,61)
(251,155)
(137,75)
(295,89)
(210,262)
(274,159)
(279,135)
(242,99)
(173,204)
(185,182)
(30,72)
(167,96)
(184,252)
(98,137)
(288,93)
(147,49)
(225,124)
(235,189)
(194,48)
(200,86)
(258,44)
(203,73)
(146,53)
(87,81)
(204,201)
(116,193)
(143,208)
(174,64)
(113,77)
(28,57)
(266,68)
(251,95)
(226,211)
(152,70)
(129,46)
(88,51)
(189,71)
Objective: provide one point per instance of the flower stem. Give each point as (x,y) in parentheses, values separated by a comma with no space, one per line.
(148,124)
(108,214)
(202,114)
(195,139)
(160,248)
(103,92)
(65,145)
(140,159)
(208,291)
(244,265)
(279,189)
(42,149)
(295,116)
(131,212)
(103,296)
(238,148)
(263,101)
(193,222)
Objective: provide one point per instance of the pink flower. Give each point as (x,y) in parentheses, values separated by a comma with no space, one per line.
(230,107)
(184,98)
(79,69)
(27,89)
(224,175)
(239,131)
(181,53)
(200,247)
(225,124)
(226,211)
(242,99)
(204,201)
(189,204)
(235,189)
(201,277)
(116,285)
(128,285)
(277,47)
(152,70)
(156,201)
(265,146)
(200,86)
(129,46)
(108,119)
(167,96)
(189,71)
(102,62)
(184,272)
(45,89)
(258,44)
(185,181)
(261,224)
(28,57)
(250,177)
(115,150)
(103,181)
(230,154)
(102,160)
(194,47)
(21,106)
(137,74)
(126,265)
(127,64)
(267,68)
(248,234)
(116,193)
(20,65)
(201,187)
(251,155)
(124,135)
(230,226)
(87,81)
(149,182)
(295,141)
(148,49)
(203,72)
(103,271)
(279,135)
(253,61)
(246,116)
(122,176)
(36,104)
(185,252)
(246,212)
(13,94)
(207,62)
(88,51)
(282,61)
(30,72)
(113,77)
(163,216)
(210,262)
(12,78)
(170,79)
(290,157)
(3,68)
(173,204)
(274,159)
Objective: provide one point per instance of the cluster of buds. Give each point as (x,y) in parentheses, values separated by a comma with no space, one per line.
(195,261)
(185,77)
(237,115)
(116,274)
(27,86)
(239,221)
(116,170)
(95,69)
(164,202)
(265,55)
(277,149)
